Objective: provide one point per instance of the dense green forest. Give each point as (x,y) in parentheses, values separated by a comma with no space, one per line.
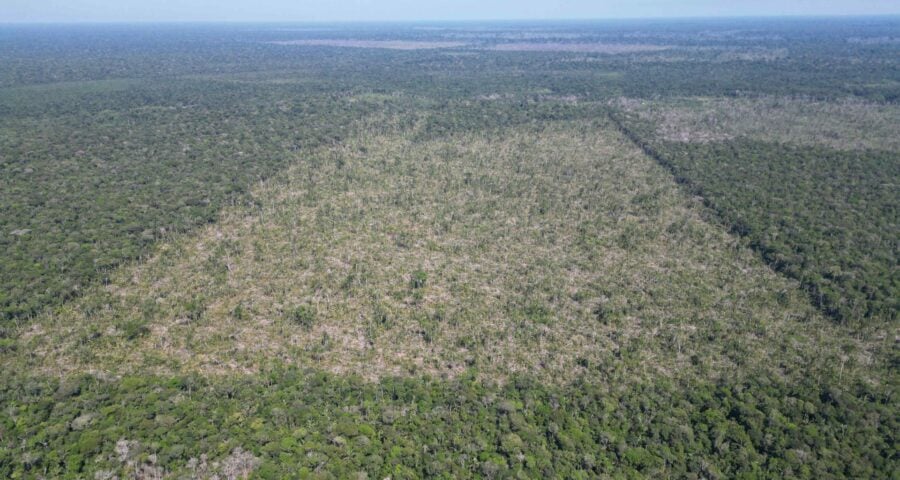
(87,191)
(633,249)
(307,425)
(826,217)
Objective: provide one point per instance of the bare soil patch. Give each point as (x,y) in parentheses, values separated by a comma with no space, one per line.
(387,44)
(847,124)
(608,48)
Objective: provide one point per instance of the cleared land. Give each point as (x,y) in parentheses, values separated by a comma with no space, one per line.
(225,257)
(811,185)
(94,175)
(555,255)
(608,48)
(386,44)
(849,124)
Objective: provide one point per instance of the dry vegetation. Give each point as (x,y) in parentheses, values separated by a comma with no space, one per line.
(387,44)
(607,48)
(850,124)
(297,262)
(751,54)
(516,35)
(516,252)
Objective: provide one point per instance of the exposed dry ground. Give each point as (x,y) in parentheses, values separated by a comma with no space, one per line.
(678,53)
(551,35)
(608,48)
(564,253)
(387,44)
(848,124)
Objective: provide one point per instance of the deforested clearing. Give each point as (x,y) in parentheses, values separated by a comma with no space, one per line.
(846,124)
(510,252)
(386,44)
(607,48)
(503,250)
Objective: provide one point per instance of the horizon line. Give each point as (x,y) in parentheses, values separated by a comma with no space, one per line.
(452,21)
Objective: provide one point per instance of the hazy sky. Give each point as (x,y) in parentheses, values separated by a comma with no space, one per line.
(379,10)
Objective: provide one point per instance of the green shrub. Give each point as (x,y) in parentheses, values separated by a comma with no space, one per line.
(302,315)
(536,312)
(89,443)
(238,313)
(134,329)
(7,345)
(418,279)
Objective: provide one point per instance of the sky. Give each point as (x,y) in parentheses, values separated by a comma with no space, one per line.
(412,10)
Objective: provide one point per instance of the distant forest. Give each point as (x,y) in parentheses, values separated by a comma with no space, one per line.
(632,249)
